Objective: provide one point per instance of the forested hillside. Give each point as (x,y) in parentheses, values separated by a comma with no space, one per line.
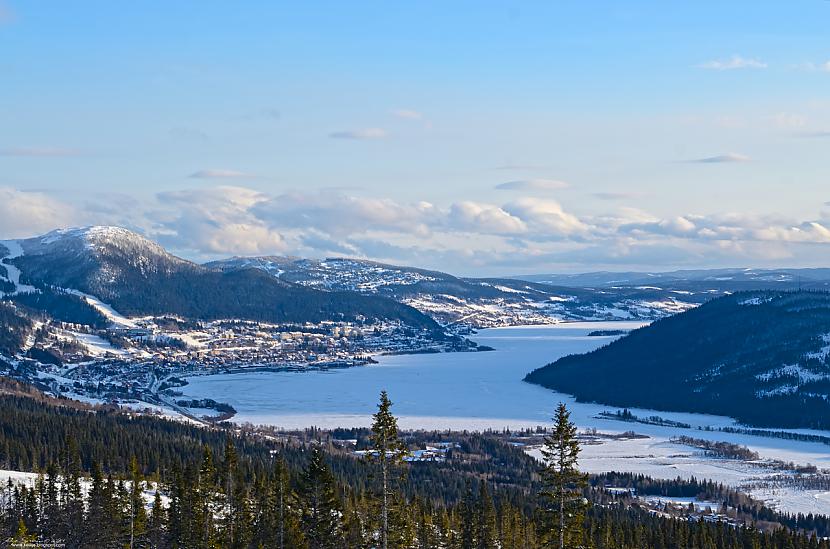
(138,277)
(762,357)
(110,479)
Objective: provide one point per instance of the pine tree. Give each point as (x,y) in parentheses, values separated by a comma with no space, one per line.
(285,521)
(229,471)
(487,535)
(561,500)
(96,517)
(205,492)
(467,534)
(321,509)
(137,513)
(157,524)
(386,451)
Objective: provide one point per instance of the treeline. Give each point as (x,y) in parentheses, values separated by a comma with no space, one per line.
(211,503)
(193,487)
(718,449)
(706,490)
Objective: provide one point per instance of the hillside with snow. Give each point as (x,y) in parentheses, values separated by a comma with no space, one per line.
(762,357)
(475,302)
(114,269)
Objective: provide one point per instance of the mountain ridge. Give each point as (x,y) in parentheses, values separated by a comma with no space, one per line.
(762,357)
(139,277)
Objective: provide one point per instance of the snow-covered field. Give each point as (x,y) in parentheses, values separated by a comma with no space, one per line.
(485,390)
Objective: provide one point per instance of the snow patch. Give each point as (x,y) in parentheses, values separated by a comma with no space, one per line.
(111,314)
(14,250)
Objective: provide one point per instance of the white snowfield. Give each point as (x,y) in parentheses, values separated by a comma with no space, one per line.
(109,313)
(14,250)
(29,480)
(479,391)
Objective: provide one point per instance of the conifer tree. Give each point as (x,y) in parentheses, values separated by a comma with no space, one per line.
(157,523)
(467,534)
(321,517)
(487,535)
(387,452)
(205,491)
(229,471)
(97,518)
(137,514)
(561,500)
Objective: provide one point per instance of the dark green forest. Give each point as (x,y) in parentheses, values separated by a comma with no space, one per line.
(221,487)
(724,357)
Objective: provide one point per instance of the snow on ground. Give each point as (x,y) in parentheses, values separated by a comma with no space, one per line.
(479,391)
(111,314)
(14,250)
(700,506)
(29,480)
(96,345)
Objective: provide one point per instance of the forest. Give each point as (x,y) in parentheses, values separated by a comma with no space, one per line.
(760,357)
(111,479)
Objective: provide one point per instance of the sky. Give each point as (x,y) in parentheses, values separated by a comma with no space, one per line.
(479,138)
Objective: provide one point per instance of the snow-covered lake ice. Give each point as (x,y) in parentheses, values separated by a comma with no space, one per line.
(478,391)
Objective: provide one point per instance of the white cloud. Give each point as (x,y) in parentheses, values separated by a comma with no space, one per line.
(220,174)
(361,134)
(407,114)
(721,159)
(532,185)
(216,221)
(468,237)
(25,213)
(547,218)
(815,67)
(484,218)
(789,121)
(733,63)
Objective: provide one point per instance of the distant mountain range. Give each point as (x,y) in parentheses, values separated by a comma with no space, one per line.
(137,277)
(476,302)
(723,279)
(762,357)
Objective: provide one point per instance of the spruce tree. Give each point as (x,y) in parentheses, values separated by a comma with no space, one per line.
(560,499)
(137,513)
(487,535)
(229,472)
(387,452)
(156,526)
(321,518)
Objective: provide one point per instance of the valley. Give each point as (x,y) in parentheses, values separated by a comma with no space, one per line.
(452,352)
(485,392)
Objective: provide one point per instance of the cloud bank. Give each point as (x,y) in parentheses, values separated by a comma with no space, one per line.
(526,233)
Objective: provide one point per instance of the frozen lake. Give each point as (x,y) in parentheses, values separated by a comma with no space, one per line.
(484,390)
(447,390)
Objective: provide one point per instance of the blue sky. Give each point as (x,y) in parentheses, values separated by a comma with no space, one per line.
(475,137)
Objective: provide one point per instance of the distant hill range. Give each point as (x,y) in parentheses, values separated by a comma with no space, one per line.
(695,280)
(762,357)
(476,302)
(137,277)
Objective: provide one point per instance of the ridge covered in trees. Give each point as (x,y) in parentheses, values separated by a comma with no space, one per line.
(114,479)
(762,357)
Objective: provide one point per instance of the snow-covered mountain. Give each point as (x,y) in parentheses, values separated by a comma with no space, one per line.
(137,277)
(477,302)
